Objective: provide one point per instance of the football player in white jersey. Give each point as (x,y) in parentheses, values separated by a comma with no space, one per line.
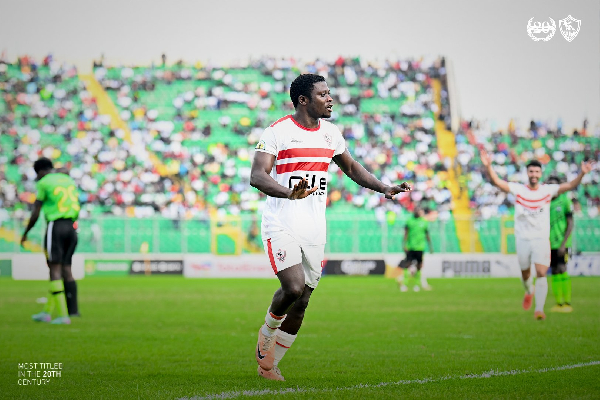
(532,225)
(290,167)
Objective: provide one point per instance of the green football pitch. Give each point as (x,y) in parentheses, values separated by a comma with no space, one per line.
(170,337)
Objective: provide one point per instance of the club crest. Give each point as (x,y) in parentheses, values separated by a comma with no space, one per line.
(569,27)
(327,137)
(536,30)
(280,255)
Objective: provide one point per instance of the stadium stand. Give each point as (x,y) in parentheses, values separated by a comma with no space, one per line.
(177,152)
(202,121)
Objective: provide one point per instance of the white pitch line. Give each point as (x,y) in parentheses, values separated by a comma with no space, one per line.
(299,390)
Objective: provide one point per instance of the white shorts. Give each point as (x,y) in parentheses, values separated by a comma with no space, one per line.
(284,251)
(535,251)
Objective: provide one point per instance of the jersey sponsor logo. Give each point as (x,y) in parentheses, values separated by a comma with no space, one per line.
(533,211)
(260,145)
(322,183)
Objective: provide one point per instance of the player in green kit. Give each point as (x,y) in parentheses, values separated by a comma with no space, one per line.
(561,226)
(57,196)
(415,234)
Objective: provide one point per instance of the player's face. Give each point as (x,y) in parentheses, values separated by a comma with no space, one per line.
(534,174)
(321,103)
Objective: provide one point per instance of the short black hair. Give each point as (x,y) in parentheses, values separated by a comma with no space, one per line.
(534,163)
(303,86)
(42,164)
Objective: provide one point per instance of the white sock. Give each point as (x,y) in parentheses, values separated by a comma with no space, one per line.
(272,322)
(424,280)
(284,342)
(400,279)
(541,291)
(528,284)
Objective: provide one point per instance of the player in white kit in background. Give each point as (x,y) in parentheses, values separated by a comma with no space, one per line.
(290,166)
(532,225)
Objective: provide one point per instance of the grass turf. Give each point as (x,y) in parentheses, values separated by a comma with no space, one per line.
(168,337)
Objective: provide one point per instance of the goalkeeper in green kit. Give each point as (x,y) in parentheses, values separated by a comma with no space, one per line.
(57,196)
(561,226)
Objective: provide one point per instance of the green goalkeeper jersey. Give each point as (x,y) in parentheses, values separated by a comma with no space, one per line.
(560,208)
(417,233)
(59,197)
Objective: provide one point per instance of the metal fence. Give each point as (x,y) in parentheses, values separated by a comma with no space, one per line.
(236,235)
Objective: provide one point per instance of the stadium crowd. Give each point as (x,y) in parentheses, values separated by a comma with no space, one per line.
(47,111)
(217,175)
(192,128)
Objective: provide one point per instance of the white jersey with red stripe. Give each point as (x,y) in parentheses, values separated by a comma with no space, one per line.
(300,153)
(532,210)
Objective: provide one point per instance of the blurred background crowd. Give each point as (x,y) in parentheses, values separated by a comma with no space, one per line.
(186,145)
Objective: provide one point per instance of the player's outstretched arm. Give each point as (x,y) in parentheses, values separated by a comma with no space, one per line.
(585,168)
(35,214)
(260,179)
(364,178)
(494,179)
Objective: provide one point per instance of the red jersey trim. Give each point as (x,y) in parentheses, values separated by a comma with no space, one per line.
(305,128)
(297,124)
(302,166)
(533,201)
(271,258)
(280,120)
(314,152)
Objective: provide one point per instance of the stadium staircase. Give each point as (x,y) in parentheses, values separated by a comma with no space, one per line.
(468,236)
(106,106)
